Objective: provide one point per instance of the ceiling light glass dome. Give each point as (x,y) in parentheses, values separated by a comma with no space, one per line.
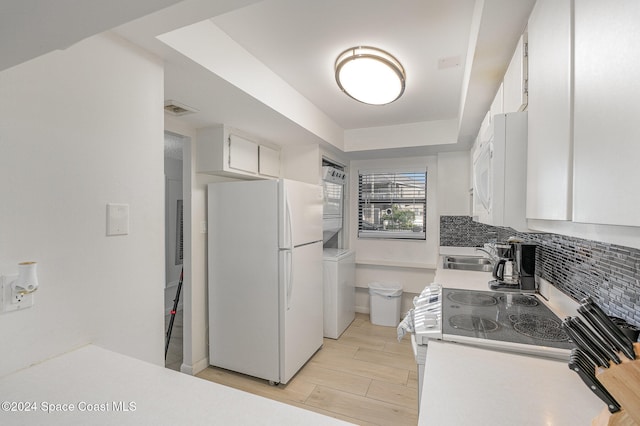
(370,75)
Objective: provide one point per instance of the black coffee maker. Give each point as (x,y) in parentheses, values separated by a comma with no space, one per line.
(515,269)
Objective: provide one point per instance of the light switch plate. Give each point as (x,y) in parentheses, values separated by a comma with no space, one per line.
(117,219)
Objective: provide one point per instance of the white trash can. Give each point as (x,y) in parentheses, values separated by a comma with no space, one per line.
(385,303)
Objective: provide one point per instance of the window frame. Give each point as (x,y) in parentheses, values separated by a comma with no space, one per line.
(364,201)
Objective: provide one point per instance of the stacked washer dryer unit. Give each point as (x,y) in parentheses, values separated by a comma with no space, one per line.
(339,268)
(339,276)
(333,181)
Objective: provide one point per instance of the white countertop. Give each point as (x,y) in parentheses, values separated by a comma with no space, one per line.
(92,377)
(466,385)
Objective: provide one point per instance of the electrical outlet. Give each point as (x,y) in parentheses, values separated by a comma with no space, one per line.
(8,302)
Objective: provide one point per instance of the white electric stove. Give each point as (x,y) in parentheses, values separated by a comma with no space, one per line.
(507,322)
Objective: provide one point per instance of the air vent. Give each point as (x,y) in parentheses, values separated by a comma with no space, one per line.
(450,62)
(176,108)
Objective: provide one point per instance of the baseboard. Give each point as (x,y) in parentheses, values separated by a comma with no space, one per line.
(363,310)
(194,369)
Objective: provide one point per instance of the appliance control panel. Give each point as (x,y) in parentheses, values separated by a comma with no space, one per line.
(331,174)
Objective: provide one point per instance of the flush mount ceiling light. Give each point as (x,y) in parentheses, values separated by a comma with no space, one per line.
(370,75)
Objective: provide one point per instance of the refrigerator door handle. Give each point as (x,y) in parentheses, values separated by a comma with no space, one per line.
(288,276)
(288,232)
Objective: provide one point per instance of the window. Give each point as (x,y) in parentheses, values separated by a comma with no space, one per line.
(392,205)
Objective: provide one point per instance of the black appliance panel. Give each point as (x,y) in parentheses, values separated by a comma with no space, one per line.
(514,317)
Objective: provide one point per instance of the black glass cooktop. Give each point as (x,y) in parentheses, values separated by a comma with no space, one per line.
(501,317)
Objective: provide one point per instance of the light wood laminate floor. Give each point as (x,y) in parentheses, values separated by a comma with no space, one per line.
(364,377)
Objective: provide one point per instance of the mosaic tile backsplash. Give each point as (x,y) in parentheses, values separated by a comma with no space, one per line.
(609,273)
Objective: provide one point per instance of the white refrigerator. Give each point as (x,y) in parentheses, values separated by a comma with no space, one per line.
(264,276)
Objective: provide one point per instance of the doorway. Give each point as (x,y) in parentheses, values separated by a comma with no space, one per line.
(174,247)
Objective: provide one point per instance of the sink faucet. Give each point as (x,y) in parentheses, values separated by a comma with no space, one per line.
(492,257)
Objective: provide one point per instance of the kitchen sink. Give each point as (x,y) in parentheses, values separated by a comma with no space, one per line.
(468,263)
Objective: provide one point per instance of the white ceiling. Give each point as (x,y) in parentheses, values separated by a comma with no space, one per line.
(300,40)
(29,28)
(266,67)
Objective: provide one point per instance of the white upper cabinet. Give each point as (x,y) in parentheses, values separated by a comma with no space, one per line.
(269,161)
(242,155)
(583,111)
(606,112)
(550,145)
(515,79)
(497,106)
(486,127)
(222,152)
(486,131)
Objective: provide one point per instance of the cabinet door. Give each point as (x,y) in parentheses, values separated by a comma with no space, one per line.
(497,106)
(515,79)
(269,161)
(549,152)
(243,154)
(486,127)
(486,131)
(606,112)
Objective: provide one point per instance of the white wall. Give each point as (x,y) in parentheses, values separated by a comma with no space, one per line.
(82,128)
(405,251)
(410,263)
(405,135)
(453,184)
(301,163)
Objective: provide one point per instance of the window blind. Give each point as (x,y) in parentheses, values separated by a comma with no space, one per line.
(392,204)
